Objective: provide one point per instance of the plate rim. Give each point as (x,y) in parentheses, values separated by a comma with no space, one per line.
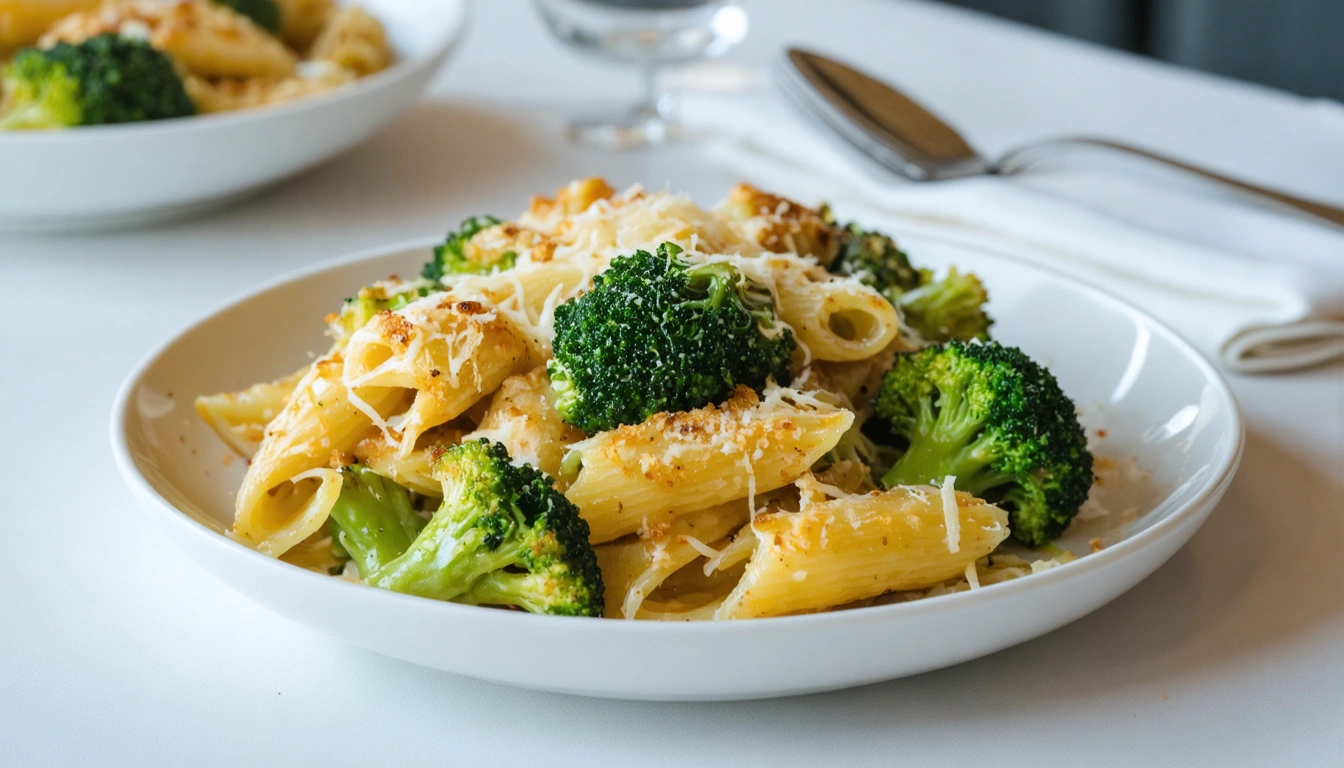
(451,34)
(1226,462)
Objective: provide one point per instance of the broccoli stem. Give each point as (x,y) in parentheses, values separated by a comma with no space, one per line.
(949,441)
(374,519)
(715,281)
(428,569)
(718,281)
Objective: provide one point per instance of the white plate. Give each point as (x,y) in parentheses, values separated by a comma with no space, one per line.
(122,175)
(1160,403)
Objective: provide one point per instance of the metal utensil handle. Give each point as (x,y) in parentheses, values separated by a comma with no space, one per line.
(1017,159)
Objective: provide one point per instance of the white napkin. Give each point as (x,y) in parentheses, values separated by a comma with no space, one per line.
(1261,289)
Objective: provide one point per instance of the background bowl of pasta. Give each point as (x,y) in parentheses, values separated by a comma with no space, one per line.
(261,104)
(1163,429)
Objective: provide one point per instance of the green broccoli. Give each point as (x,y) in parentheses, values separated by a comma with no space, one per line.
(947,309)
(455,257)
(358,310)
(658,333)
(937,310)
(103,80)
(374,519)
(996,420)
(263,13)
(503,536)
(877,262)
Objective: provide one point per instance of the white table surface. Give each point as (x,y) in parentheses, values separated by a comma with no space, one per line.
(116,649)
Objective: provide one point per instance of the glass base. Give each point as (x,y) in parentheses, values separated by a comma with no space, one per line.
(631,130)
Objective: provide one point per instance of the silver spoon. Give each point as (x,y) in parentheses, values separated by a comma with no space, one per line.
(904,137)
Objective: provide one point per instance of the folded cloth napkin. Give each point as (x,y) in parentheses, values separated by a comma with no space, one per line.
(1261,289)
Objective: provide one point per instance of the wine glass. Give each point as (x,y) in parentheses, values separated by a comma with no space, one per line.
(651,34)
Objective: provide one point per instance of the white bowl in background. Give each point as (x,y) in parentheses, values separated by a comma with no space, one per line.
(121,175)
(1160,403)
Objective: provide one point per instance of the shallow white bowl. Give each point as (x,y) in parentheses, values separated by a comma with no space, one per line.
(122,175)
(1160,403)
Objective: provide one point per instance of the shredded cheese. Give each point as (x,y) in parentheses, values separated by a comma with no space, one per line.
(741,547)
(700,546)
(951,514)
(972,576)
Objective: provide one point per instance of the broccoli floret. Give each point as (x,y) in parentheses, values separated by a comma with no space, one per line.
(263,13)
(948,309)
(658,333)
(996,420)
(454,257)
(374,519)
(876,261)
(936,310)
(503,536)
(105,79)
(358,310)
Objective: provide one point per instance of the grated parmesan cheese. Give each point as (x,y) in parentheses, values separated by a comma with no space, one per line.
(700,546)
(972,576)
(951,514)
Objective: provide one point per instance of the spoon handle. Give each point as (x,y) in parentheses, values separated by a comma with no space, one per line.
(1017,159)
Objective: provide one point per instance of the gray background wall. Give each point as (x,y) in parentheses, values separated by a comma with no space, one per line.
(1297,45)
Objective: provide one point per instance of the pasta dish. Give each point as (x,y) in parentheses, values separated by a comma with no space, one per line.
(622,404)
(97,62)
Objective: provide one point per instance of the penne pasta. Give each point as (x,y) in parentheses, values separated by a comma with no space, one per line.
(846,549)
(354,41)
(22,22)
(835,319)
(646,474)
(529,294)
(301,21)
(633,569)
(208,39)
(229,95)
(240,418)
(780,225)
(449,353)
(522,417)
(315,553)
(414,469)
(278,505)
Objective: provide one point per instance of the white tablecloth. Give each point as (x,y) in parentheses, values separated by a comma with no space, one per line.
(116,649)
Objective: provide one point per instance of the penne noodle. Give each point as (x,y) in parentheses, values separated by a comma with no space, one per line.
(449,352)
(301,21)
(318,428)
(315,553)
(22,22)
(208,39)
(780,225)
(523,418)
(852,548)
(837,320)
(354,41)
(643,475)
(240,418)
(414,469)
(276,521)
(633,569)
(529,294)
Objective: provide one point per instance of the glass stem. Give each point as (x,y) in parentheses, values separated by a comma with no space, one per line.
(656,103)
